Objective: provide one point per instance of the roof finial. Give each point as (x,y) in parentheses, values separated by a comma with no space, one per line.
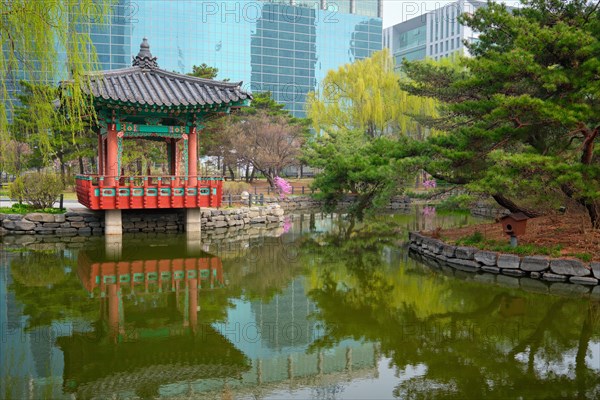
(144,58)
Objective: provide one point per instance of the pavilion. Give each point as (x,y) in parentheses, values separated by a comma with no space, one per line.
(146,102)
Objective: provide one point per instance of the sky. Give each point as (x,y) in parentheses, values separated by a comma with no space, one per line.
(396,11)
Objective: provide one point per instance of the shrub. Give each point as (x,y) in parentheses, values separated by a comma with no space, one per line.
(39,189)
(456,202)
(235,188)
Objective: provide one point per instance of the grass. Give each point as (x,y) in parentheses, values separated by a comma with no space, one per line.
(477,240)
(26,209)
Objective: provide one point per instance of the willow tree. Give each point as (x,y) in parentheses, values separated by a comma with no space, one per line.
(359,115)
(365,96)
(45,41)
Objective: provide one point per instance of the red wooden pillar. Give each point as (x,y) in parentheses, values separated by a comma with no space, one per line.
(193,157)
(112,156)
(113,312)
(193,304)
(100,154)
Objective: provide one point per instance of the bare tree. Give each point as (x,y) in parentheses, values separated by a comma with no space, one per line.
(269,143)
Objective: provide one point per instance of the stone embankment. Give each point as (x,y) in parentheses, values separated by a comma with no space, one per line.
(307,202)
(543,271)
(92,222)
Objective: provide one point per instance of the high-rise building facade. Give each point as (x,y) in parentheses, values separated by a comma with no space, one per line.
(282,46)
(435,35)
(285,47)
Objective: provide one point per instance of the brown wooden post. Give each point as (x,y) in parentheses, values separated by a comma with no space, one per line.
(112,156)
(193,157)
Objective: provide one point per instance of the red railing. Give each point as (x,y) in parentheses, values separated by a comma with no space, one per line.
(101,192)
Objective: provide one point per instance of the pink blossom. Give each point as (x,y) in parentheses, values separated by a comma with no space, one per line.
(430,184)
(287,225)
(428,211)
(282,186)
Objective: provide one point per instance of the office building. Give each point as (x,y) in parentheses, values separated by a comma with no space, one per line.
(435,34)
(282,46)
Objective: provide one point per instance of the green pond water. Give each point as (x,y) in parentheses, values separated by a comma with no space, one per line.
(323,308)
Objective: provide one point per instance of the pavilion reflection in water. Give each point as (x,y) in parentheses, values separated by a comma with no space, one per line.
(154,340)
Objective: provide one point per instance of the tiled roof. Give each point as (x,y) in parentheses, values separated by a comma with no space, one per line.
(146,84)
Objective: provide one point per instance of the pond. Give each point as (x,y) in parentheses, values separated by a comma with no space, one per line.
(324,308)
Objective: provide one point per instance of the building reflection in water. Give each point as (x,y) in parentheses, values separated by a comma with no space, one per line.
(163,329)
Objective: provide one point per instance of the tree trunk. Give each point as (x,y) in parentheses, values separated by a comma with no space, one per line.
(514,208)
(252,175)
(81,169)
(590,205)
(231,173)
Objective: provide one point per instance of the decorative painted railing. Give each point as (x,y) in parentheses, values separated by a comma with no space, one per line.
(102,192)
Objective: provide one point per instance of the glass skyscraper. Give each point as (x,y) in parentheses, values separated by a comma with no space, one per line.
(285,47)
(282,46)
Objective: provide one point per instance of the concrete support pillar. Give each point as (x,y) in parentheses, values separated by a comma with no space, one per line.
(113,224)
(112,156)
(193,219)
(194,243)
(113,245)
(193,157)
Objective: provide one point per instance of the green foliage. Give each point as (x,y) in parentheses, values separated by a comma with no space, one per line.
(522,116)
(458,202)
(362,118)
(34,33)
(476,237)
(478,240)
(39,189)
(354,165)
(206,72)
(365,96)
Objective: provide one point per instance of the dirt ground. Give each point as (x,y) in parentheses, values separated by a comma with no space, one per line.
(572,231)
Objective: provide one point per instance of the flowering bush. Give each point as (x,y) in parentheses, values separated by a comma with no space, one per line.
(430,184)
(428,211)
(282,186)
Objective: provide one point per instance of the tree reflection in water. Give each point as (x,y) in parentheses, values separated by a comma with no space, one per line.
(471,340)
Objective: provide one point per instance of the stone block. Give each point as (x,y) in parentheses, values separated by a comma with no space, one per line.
(513,272)
(568,289)
(535,263)
(24,225)
(550,277)
(78,225)
(486,257)
(40,217)
(449,251)
(465,265)
(220,224)
(533,285)
(508,261)
(595,266)
(569,267)
(535,275)
(258,220)
(584,280)
(465,253)
(84,231)
(59,218)
(3,231)
(8,224)
(75,219)
(508,281)
(66,231)
(51,225)
(491,270)
(436,246)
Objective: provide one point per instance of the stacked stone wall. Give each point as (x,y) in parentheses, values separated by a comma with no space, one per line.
(561,274)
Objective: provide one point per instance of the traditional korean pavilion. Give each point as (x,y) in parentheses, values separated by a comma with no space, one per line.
(146,102)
